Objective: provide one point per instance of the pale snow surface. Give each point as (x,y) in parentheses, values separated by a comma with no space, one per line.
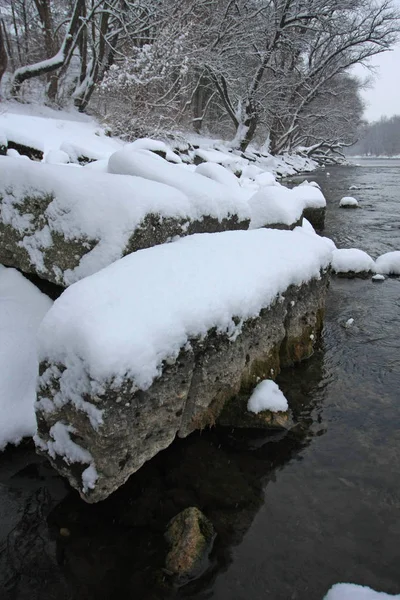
(46,129)
(348,201)
(207,196)
(309,195)
(22,308)
(97,206)
(267,396)
(218,173)
(351,259)
(350,591)
(127,319)
(271,205)
(389,263)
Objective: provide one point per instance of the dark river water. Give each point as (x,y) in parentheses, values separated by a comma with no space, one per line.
(294,513)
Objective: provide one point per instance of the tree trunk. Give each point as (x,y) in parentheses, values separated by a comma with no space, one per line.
(3,52)
(51,64)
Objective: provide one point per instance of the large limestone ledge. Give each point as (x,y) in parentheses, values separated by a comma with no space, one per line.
(169,340)
(64,223)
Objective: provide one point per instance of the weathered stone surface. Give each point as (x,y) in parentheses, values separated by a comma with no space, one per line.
(190,394)
(190,536)
(316,216)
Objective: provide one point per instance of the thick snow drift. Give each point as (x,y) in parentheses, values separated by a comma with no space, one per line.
(267,396)
(352,260)
(22,308)
(348,202)
(207,196)
(275,204)
(389,263)
(350,591)
(129,318)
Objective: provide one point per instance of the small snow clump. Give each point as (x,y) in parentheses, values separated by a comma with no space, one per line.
(267,396)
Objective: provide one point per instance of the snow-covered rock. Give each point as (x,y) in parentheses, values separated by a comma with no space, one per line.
(378,277)
(57,157)
(158,342)
(208,197)
(22,308)
(348,202)
(276,207)
(267,396)
(65,224)
(155,146)
(314,203)
(218,173)
(352,262)
(389,263)
(350,591)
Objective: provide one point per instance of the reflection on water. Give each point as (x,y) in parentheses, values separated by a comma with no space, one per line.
(294,513)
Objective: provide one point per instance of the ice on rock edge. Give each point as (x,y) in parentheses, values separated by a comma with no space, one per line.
(352,260)
(102,330)
(22,308)
(351,591)
(267,396)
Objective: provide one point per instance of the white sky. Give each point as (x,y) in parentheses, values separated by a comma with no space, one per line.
(382,98)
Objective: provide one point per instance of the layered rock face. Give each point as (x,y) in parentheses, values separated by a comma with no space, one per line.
(133,363)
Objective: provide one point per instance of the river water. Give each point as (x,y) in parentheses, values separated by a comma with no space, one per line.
(295,513)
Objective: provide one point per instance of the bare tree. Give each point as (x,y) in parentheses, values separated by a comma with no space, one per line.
(55,62)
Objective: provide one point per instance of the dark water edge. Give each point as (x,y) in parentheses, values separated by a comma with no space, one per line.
(294,513)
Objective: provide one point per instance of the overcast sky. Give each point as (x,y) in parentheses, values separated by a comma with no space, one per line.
(383,97)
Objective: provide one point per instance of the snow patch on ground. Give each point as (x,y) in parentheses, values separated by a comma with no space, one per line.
(267,396)
(22,308)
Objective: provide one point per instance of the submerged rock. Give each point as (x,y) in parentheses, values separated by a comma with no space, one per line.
(190,536)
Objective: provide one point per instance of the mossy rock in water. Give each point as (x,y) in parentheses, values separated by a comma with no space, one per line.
(190,535)
(235,414)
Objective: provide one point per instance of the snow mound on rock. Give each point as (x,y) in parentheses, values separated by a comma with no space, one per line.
(309,195)
(350,591)
(208,196)
(274,204)
(389,263)
(22,308)
(267,396)
(352,260)
(129,318)
(218,173)
(348,201)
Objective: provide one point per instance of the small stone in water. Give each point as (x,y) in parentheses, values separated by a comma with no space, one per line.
(378,277)
(65,532)
(349,322)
